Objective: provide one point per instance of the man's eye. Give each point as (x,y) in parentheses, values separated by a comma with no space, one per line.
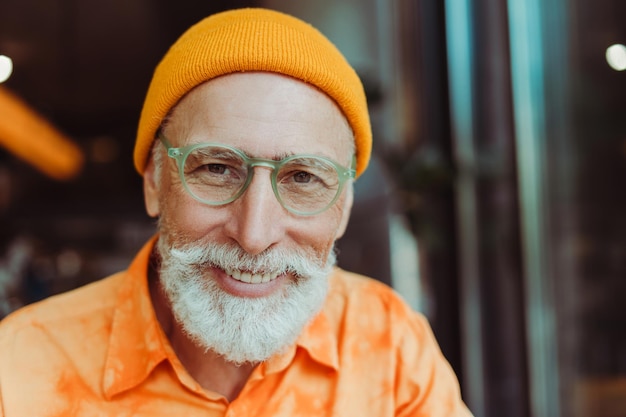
(217,168)
(302,177)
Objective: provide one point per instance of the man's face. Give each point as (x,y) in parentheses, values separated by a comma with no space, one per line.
(268,116)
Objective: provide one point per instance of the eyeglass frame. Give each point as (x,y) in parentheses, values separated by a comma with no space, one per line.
(180,154)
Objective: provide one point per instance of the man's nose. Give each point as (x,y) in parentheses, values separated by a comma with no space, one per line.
(257,220)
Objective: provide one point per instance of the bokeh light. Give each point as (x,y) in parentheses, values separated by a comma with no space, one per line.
(6,68)
(616,57)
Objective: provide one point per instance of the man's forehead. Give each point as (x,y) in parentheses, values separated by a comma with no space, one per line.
(285,103)
(259,83)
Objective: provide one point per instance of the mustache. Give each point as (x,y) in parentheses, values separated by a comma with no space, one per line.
(200,256)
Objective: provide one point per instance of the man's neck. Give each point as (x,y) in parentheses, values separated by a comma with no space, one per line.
(209,369)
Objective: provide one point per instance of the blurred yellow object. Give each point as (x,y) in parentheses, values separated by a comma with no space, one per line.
(33,139)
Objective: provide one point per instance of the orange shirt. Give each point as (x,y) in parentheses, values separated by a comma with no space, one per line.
(99,351)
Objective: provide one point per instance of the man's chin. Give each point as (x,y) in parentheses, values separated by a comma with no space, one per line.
(262,328)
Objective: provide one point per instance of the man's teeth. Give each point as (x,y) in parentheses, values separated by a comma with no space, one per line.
(249,278)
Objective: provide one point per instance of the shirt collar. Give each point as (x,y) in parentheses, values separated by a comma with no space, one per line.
(136,342)
(318,339)
(321,342)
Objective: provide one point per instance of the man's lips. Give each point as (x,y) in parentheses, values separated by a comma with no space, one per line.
(246,284)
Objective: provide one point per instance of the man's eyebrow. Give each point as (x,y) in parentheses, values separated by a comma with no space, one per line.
(276,157)
(282,155)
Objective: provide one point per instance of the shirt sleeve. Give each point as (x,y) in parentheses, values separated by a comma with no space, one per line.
(427,386)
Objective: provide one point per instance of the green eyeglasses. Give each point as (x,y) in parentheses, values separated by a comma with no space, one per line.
(218,174)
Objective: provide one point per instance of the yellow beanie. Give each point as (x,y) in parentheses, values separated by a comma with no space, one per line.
(253,40)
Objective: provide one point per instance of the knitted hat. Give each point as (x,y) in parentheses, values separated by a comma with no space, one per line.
(253,40)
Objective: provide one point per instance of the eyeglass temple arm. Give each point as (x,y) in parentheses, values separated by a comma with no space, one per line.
(171,151)
(351,172)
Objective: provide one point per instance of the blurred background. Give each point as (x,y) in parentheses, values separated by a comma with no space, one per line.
(495,202)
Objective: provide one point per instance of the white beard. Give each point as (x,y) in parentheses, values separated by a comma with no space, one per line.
(238,328)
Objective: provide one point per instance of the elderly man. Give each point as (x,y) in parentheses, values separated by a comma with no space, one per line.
(253,129)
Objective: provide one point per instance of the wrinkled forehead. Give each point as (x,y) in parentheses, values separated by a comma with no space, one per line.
(265,114)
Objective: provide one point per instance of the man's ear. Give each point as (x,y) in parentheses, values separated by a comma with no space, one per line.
(151,190)
(347,209)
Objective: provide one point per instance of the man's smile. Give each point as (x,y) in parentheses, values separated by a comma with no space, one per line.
(251,278)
